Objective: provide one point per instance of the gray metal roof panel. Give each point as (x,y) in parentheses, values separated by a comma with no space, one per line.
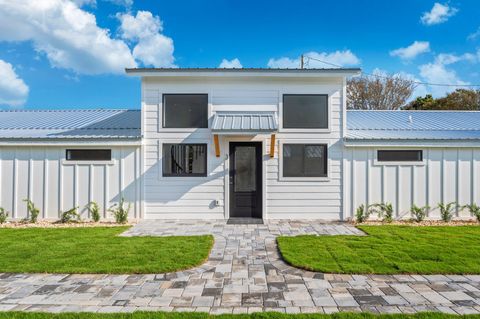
(225,121)
(62,124)
(417,125)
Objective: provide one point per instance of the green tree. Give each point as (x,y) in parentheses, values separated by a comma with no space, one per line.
(460,99)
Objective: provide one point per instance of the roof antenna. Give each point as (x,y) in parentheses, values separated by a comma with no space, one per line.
(410,119)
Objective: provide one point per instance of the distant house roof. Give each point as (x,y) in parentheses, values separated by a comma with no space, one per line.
(413,125)
(70,124)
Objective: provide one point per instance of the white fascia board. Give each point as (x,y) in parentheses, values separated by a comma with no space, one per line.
(411,143)
(76,142)
(194,74)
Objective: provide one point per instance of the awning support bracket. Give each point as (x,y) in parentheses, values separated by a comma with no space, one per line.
(217,145)
(272,146)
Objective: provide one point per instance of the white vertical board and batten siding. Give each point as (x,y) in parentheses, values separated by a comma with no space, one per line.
(193,197)
(54,185)
(448,174)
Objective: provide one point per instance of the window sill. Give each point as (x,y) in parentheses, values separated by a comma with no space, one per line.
(305,130)
(65,162)
(304,179)
(377,163)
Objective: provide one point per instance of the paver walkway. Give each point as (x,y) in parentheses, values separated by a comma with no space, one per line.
(244,273)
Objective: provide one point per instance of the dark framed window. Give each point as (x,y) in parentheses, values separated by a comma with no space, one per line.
(184,160)
(185,111)
(400,155)
(305,111)
(88,155)
(305,160)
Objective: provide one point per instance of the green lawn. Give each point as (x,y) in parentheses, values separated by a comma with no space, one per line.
(388,250)
(197,315)
(97,250)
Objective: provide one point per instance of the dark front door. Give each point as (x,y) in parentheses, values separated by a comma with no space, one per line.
(246,179)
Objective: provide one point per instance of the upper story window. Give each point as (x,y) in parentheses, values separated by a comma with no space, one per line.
(184,159)
(308,111)
(88,155)
(305,160)
(185,111)
(399,155)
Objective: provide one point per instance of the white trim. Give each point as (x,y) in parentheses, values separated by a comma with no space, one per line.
(412,143)
(281,129)
(160,143)
(376,162)
(303,179)
(240,139)
(160,114)
(67,162)
(304,73)
(77,142)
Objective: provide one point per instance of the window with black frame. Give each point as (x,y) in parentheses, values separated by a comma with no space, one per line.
(184,160)
(88,155)
(185,111)
(305,111)
(305,160)
(399,155)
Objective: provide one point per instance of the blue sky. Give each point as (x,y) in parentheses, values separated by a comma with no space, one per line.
(71,53)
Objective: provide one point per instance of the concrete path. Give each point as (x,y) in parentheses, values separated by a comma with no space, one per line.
(244,273)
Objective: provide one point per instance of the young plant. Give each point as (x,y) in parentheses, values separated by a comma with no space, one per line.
(120,213)
(3,215)
(474,209)
(419,213)
(446,211)
(70,216)
(362,213)
(33,212)
(94,211)
(385,211)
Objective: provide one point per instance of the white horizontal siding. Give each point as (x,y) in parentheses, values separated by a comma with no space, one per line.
(194,197)
(40,174)
(449,175)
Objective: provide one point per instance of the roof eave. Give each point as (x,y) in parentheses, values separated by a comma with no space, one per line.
(204,72)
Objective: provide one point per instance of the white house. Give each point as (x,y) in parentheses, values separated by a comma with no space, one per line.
(238,143)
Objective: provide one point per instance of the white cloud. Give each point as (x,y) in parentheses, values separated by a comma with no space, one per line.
(152,48)
(412,51)
(68,36)
(438,14)
(337,58)
(13,91)
(235,63)
(449,58)
(475,35)
(439,73)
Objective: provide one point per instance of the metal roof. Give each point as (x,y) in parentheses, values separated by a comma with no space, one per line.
(68,124)
(242,72)
(244,122)
(237,70)
(413,125)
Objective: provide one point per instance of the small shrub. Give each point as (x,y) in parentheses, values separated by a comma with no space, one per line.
(419,213)
(33,212)
(446,211)
(385,212)
(70,216)
(474,209)
(362,213)
(94,211)
(3,215)
(120,213)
